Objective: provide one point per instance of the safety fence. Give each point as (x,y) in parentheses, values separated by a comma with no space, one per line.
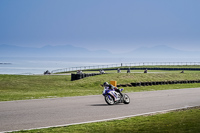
(83,75)
(168,69)
(85,68)
(158,83)
(123,65)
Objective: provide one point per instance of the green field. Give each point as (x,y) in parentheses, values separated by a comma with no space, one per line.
(20,87)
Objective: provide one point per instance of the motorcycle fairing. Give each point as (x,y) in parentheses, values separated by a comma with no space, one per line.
(112,93)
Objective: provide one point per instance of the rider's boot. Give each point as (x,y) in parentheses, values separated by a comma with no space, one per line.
(121,99)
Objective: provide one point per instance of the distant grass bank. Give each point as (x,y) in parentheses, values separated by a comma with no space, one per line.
(181,121)
(21,87)
(114,69)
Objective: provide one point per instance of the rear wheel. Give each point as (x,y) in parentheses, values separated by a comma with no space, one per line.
(126,99)
(109,99)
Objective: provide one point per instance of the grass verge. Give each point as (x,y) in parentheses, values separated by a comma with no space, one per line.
(21,87)
(181,121)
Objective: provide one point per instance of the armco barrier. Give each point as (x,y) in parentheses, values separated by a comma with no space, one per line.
(83,75)
(168,69)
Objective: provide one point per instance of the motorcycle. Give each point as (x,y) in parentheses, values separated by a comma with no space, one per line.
(113,97)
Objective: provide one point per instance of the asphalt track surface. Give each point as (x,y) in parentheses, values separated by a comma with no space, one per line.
(43,113)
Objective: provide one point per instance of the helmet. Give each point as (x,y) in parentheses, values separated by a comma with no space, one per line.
(105,84)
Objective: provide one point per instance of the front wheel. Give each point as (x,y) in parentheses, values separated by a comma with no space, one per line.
(109,99)
(126,99)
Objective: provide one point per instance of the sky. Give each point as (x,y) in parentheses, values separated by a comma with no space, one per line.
(113,25)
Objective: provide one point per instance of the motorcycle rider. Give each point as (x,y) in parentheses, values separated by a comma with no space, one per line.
(111,87)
